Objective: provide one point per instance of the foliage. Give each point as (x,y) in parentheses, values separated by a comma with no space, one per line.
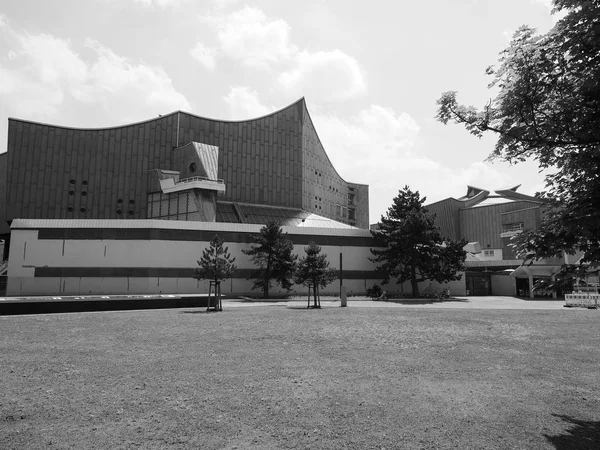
(374,291)
(216,263)
(415,250)
(313,269)
(547,108)
(272,253)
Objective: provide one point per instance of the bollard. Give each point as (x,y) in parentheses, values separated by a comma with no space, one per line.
(343,295)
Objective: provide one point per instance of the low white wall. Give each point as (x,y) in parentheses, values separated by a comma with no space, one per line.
(23,286)
(28,253)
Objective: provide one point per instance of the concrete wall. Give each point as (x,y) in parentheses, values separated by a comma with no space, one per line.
(43,263)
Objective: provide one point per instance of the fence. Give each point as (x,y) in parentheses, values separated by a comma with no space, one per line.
(584,300)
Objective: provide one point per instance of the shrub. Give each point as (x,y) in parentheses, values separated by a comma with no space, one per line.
(374,291)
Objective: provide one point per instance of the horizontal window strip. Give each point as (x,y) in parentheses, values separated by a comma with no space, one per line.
(146,234)
(168,272)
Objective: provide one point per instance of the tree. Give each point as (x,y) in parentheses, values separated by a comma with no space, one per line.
(273,254)
(414,250)
(547,107)
(314,271)
(215,265)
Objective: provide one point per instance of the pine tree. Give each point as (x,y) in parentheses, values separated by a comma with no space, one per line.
(415,250)
(314,271)
(272,253)
(215,265)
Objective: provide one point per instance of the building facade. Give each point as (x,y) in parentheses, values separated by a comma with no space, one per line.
(129,209)
(490,220)
(275,161)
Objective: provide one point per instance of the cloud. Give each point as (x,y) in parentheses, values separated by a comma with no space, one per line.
(160,3)
(204,55)
(244,104)
(546,3)
(222,4)
(115,80)
(253,40)
(44,73)
(52,59)
(42,70)
(326,75)
(247,36)
(556,16)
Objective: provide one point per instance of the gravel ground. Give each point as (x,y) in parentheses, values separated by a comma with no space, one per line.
(270,377)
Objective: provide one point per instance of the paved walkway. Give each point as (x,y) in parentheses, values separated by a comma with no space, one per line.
(491,302)
(179,301)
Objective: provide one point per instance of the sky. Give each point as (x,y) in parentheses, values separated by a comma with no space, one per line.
(370,72)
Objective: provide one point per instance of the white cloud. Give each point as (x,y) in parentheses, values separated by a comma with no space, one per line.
(331,75)
(549,6)
(114,80)
(204,55)
(27,97)
(546,3)
(42,70)
(222,4)
(244,104)
(44,73)
(160,3)
(52,59)
(252,39)
(247,36)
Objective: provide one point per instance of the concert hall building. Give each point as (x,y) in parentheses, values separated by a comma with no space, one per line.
(128,209)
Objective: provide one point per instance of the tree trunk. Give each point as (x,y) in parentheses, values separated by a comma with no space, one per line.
(414,283)
(266,280)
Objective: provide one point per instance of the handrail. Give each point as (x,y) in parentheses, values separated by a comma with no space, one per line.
(192,179)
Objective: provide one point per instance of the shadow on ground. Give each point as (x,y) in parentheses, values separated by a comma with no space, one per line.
(423,301)
(582,436)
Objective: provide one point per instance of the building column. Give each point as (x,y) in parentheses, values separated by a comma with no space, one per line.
(530,286)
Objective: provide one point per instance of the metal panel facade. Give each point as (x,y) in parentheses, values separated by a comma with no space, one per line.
(56,172)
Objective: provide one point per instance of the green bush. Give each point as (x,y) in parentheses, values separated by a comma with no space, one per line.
(374,291)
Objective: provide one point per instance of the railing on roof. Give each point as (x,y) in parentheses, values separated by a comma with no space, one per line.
(4,267)
(193,179)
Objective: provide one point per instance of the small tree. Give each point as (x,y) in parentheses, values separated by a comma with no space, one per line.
(415,250)
(272,253)
(313,270)
(215,265)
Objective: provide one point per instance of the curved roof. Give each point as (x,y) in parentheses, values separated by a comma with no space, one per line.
(162,116)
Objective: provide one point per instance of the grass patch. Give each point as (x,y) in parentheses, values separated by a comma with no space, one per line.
(278,377)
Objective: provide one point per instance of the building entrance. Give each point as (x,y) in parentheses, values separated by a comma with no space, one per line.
(479,284)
